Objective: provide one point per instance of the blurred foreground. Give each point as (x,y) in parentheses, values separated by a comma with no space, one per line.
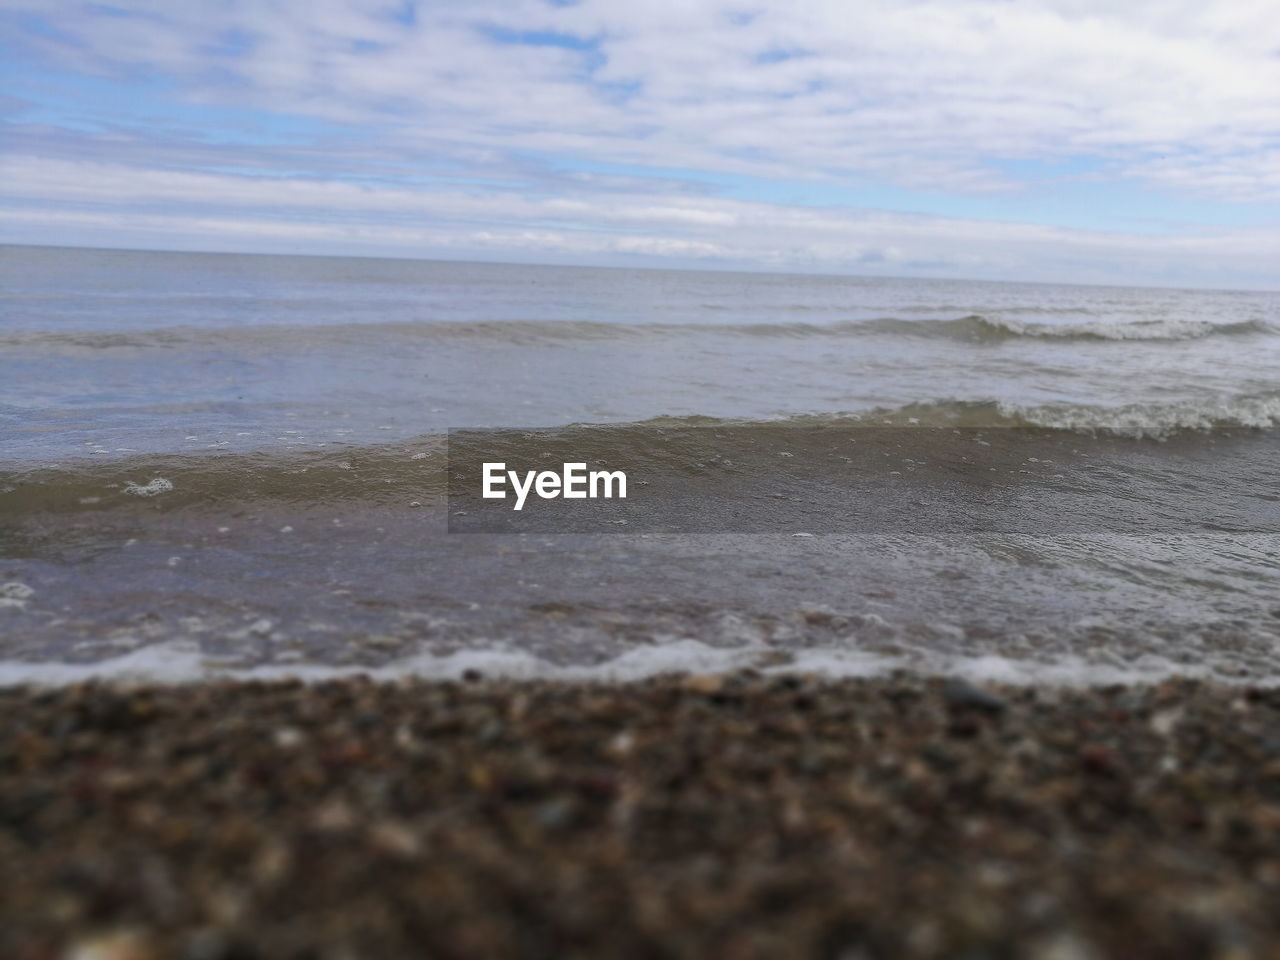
(698,816)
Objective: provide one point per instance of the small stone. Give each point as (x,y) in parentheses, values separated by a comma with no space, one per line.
(396,839)
(962,695)
(288,738)
(210,943)
(334,817)
(705,684)
(1098,759)
(1063,946)
(118,945)
(555,814)
(1165,721)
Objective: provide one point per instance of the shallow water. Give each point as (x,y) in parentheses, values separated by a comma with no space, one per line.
(213,462)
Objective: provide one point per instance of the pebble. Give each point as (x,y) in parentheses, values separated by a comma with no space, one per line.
(962,695)
(123,945)
(738,815)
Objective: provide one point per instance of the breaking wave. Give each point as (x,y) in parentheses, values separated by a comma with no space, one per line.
(1158,421)
(405,472)
(973,329)
(995,329)
(1141,421)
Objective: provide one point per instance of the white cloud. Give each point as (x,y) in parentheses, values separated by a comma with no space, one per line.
(919,92)
(90,199)
(931,95)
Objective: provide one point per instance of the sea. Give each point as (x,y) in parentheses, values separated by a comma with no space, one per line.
(219,465)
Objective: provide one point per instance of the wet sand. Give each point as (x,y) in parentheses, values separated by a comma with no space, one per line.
(708,816)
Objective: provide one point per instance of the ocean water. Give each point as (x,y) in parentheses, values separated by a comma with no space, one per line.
(223,463)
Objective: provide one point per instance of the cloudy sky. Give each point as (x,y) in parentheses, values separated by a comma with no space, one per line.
(1087,140)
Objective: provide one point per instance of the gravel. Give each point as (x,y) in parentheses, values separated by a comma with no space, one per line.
(740,816)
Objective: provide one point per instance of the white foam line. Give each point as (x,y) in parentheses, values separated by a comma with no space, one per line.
(183,663)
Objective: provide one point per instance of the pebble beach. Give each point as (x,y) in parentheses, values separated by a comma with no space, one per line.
(733,816)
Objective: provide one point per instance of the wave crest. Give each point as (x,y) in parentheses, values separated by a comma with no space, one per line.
(973,328)
(1158,421)
(994,329)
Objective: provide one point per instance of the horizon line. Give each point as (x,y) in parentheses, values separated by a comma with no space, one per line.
(643,267)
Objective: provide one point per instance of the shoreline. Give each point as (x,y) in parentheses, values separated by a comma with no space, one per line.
(736,815)
(183,664)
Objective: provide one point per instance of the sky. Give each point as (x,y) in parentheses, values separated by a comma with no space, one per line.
(1063,140)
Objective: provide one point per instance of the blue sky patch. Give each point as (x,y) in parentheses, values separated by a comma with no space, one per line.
(758,136)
